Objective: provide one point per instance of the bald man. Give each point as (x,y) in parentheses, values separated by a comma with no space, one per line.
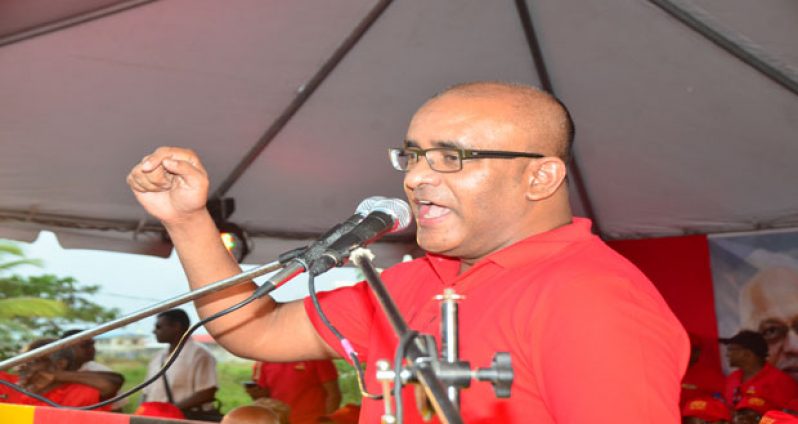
(769,305)
(485,173)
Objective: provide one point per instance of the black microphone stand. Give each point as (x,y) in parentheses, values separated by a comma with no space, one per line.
(49,348)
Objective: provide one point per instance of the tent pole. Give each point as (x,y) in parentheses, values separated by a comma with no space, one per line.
(736,45)
(71,21)
(303,94)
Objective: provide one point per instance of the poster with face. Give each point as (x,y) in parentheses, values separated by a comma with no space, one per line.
(755,279)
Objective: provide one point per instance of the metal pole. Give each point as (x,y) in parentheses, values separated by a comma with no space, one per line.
(450,337)
(143,313)
(446,411)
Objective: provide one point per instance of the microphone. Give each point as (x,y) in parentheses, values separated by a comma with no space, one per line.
(388,216)
(307,254)
(296,261)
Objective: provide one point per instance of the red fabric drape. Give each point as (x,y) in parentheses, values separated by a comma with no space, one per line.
(680,268)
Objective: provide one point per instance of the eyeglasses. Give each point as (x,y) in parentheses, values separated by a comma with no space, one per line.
(447,159)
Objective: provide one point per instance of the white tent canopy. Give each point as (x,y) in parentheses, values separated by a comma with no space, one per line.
(686,112)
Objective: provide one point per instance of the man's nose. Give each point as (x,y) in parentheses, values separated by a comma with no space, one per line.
(421,173)
(791,343)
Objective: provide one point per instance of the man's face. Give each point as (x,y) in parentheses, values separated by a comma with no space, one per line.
(479,209)
(746,416)
(167,331)
(84,352)
(772,299)
(735,354)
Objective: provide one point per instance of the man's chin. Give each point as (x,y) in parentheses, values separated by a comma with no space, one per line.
(435,245)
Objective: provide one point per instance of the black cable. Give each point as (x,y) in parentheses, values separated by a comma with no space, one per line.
(169,361)
(345,343)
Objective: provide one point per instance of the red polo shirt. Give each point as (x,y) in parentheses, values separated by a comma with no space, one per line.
(591,339)
(770,383)
(298,385)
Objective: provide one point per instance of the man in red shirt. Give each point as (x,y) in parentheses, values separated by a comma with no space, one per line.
(755,377)
(309,388)
(30,378)
(485,168)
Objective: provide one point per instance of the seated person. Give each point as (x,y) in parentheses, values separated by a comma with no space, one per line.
(37,376)
(705,410)
(309,388)
(91,373)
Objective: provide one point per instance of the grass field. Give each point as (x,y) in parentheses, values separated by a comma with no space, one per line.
(231,374)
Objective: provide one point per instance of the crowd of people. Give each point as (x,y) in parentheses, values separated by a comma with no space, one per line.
(755,391)
(305,392)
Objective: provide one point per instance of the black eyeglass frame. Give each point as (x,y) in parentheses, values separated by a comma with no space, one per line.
(462,154)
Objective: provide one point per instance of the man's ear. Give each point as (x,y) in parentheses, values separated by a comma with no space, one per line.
(544,177)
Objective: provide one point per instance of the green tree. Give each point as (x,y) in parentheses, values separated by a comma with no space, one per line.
(40,306)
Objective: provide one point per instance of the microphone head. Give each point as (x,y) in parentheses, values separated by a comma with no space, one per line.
(368,204)
(398,209)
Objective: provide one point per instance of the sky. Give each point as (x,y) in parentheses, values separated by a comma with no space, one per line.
(134,282)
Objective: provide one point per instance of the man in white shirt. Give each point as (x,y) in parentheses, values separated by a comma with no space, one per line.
(190,383)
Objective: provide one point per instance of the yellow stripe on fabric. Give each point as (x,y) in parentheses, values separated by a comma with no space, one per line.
(16,414)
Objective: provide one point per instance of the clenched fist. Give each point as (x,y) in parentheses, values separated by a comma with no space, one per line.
(171,184)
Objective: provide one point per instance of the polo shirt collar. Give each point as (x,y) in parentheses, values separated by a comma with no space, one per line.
(531,249)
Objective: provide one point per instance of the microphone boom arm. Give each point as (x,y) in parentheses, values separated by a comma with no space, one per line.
(143,313)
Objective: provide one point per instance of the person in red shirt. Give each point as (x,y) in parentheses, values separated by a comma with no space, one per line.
(705,410)
(309,388)
(755,377)
(701,379)
(35,376)
(485,168)
(750,409)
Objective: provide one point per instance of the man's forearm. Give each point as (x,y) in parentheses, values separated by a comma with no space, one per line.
(107,383)
(197,399)
(261,330)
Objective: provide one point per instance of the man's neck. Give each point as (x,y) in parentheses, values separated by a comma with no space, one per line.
(751,370)
(552,224)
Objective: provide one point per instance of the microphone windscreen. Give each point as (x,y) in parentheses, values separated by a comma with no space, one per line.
(398,209)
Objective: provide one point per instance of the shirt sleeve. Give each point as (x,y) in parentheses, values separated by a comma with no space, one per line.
(607,351)
(204,372)
(80,395)
(351,311)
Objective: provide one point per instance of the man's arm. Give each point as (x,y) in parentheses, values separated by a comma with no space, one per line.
(197,398)
(608,352)
(107,383)
(172,185)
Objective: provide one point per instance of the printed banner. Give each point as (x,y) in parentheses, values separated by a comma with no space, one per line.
(755,278)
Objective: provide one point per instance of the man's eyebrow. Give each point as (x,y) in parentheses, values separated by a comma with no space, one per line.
(447,143)
(437,143)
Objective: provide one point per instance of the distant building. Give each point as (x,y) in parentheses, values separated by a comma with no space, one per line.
(125,345)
